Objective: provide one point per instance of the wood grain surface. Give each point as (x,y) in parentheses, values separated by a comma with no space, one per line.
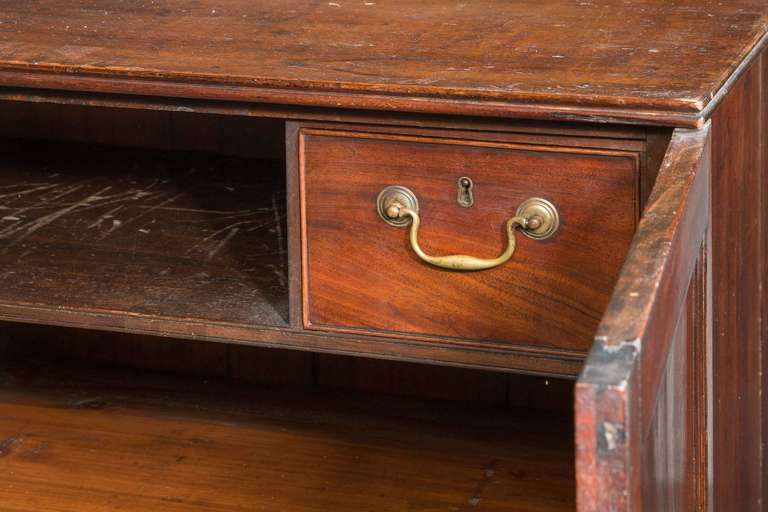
(739,184)
(75,439)
(139,242)
(146,233)
(657,61)
(361,275)
(642,398)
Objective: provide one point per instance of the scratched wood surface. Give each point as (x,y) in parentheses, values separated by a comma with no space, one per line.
(246,137)
(73,438)
(182,235)
(493,57)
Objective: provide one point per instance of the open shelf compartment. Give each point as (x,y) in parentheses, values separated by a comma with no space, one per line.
(84,438)
(141,233)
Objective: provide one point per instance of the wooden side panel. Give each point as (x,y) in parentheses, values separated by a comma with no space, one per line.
(674,456)
(738,232)
(641,400)
(666,447)
(764,267)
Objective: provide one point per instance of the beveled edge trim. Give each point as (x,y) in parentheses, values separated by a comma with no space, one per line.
(358,100)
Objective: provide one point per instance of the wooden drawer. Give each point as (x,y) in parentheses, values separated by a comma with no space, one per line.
(360,274)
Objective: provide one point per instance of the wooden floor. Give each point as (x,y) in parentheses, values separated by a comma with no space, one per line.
(81,440)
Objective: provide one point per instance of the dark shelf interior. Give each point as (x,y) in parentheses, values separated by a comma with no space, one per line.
(87,438)
(142,232)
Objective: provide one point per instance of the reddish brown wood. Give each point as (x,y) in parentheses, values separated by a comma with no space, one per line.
(285,369)
(188,301)
(662,63)
(83,101)
(763,271)
(529,59)
(293,224)
(74,438)
(675,450)
(639,399)
(361,275)
(739,181)
(437,351)
(657,141)
(249,138)
(419,380)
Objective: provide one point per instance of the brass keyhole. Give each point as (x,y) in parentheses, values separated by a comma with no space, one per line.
(465,198)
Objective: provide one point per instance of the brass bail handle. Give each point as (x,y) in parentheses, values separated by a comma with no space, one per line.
(537,219)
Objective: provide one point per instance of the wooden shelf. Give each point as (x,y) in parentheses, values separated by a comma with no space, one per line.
(128,233)
(173,243)
(77,438)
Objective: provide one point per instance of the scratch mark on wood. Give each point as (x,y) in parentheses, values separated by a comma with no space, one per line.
(41,187)
(35,451)
(109,215)
(89,403)
(26,229)
(489,474)
(9,444)
(197,210)
(153,208)
(232,233)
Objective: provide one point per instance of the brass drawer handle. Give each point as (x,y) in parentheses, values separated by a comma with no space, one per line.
(537,218)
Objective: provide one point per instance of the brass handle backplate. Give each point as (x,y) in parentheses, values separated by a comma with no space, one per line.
(537,219)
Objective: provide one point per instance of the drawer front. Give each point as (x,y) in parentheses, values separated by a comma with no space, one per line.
(361,274)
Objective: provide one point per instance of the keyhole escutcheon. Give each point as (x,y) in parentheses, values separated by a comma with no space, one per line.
(465,198)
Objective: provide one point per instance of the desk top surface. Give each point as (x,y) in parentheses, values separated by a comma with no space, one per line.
(613,59)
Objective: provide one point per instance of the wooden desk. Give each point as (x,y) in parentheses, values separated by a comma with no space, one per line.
(224,171)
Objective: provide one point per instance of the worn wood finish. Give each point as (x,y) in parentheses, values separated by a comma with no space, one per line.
(739,183)
(78,439)
(142,233)
(529,59)
(641,399)
(361,275)
(655,370)
(254,138)
(182,261)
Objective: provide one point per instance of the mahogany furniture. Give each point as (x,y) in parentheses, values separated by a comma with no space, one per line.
(412,226)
